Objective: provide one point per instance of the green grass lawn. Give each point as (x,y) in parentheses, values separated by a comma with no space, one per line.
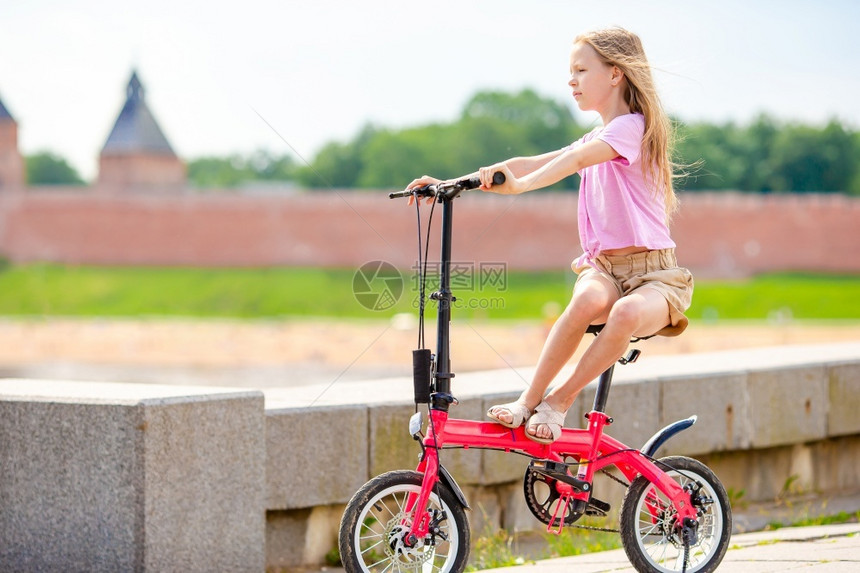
(58,290)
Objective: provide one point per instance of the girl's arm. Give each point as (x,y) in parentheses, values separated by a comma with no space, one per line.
(518,166)
(521,166)
(528,174)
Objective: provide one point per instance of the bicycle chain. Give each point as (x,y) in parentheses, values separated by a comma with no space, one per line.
(615,478)
(593,528)
(604,529)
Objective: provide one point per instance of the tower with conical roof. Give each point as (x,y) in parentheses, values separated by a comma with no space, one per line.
(137,155)
(11,162)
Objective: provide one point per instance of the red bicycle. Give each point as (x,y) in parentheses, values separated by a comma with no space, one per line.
(675,515)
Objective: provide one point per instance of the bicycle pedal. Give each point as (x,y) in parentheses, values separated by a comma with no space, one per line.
(597,508)
(559,471)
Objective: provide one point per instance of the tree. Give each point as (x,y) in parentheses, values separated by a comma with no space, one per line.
(807,159)
(235,170)
(337,165)
(768,157)
(492,127)
(763,156)
(545,123)
(47,168)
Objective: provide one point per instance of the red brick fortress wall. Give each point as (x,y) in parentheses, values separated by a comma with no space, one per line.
(718,235)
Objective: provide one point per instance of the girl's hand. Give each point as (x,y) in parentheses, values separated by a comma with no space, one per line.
(511,186)
(421,182)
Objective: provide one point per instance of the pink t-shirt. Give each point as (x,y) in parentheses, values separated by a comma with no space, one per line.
(617,208)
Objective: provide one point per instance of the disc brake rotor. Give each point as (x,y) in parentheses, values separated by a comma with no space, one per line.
(408,558)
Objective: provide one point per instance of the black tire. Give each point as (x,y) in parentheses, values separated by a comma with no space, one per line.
(369,540)
(654,545)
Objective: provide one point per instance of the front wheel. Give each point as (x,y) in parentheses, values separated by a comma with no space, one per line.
(651,534)
(373,528)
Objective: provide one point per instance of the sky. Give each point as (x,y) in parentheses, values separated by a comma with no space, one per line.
(289,76)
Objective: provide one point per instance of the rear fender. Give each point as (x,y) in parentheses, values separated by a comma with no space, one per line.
(654,442)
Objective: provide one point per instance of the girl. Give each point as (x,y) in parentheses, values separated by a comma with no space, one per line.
(628,276)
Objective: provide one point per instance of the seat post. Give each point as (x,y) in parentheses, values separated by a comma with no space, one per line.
(603,385)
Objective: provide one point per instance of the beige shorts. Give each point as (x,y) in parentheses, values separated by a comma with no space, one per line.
(657,270)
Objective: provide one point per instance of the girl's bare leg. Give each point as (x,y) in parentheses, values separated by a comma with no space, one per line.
(589,304)
(642,313)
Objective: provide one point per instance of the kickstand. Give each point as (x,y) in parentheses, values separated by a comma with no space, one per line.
(563,508)
(689,537)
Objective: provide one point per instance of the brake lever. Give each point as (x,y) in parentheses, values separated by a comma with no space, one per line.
(424,191)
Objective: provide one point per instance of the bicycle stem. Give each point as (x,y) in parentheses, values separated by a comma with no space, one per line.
(444,297)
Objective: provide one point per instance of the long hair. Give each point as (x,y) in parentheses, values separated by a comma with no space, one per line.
(618,47)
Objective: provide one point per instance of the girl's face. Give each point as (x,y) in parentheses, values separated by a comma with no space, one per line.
(591,80)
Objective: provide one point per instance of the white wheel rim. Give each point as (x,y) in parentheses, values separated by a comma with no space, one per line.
(371,544)
(662,553)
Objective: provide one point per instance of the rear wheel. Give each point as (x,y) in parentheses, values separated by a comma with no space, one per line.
(375,523)
(651,533)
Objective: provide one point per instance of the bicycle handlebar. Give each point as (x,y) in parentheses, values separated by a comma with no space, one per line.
(450,190)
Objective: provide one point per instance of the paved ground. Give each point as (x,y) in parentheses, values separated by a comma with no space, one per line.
(819,549)
(815,549)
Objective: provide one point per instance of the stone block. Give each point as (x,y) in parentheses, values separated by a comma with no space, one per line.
(392,448)
(752,475)
(502,467)
(309,446)
(204,495)
(842,417)
(837,464)
(788,406)
(517,516)
(721,403)
(71,478)
(285,537)
(301,537)
(126,477)
(486,510)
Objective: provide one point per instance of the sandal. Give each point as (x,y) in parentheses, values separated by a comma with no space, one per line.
(552,419)
(519,414)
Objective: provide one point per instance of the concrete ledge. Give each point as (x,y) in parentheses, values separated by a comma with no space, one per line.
(125,477)
(757,398)
(107,477)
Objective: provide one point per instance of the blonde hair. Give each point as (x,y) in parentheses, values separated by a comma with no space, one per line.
(623,49)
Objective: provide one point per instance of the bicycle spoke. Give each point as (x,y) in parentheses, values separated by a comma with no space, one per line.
(659,551)
(363,551)
(400,505)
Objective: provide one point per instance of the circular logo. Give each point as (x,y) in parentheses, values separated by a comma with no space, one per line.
(377,285)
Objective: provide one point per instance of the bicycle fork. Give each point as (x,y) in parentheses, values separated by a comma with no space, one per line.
(423,524)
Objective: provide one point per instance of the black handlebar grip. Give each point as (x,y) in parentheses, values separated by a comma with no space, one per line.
(471,182)
(475,182)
